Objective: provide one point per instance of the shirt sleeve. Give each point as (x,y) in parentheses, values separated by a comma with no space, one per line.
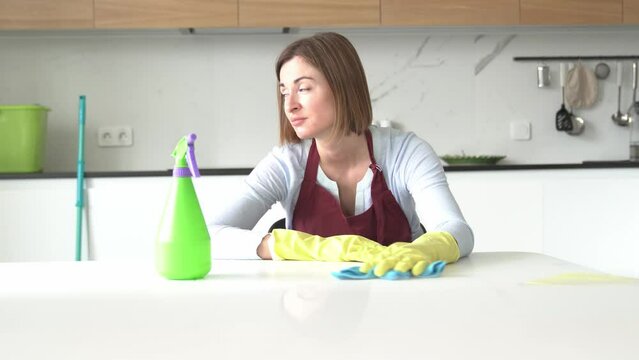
(231,226)
(434,202)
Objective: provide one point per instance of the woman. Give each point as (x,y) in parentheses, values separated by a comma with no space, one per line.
(334,173)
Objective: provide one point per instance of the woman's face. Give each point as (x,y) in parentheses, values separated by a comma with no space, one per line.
(308,100)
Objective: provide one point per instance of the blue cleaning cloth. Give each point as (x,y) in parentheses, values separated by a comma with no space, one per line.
(433,270)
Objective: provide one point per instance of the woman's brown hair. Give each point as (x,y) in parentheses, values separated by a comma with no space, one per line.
(336,58)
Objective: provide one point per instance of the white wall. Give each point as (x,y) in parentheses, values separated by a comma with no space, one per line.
(458,88)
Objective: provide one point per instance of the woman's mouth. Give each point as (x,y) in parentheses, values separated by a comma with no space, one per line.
(297,121)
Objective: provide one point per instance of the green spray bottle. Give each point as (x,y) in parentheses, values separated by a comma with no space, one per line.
(183,245)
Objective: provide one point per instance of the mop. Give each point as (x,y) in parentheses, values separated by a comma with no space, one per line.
(80,181)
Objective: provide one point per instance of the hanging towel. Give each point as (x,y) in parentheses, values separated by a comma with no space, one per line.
(581,87)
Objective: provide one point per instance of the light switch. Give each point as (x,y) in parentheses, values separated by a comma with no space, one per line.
(520,130)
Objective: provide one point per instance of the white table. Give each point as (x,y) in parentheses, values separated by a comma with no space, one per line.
(482,307)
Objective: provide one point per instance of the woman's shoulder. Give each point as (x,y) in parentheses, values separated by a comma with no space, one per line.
(283,165)
(291,155)
(389,140)
(402,152)
(292,150)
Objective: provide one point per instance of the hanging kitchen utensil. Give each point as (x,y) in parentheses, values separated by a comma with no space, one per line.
(633,118)
(602,70)
(620,118)
(578,124)
(543,75)
(562,118)
(633,106)
(581,87)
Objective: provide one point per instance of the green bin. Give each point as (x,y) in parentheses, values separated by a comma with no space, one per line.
(23,131)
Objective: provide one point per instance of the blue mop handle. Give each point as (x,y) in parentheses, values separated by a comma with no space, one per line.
(80,183)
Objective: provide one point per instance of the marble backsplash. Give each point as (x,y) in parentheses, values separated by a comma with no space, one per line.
(458,88)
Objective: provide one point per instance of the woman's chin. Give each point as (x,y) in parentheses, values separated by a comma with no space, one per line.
(303,135)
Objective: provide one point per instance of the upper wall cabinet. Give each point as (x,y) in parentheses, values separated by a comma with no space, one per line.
(130,14)
(46,14)
(450,12)
(571,12)
(299,13)
(631,11)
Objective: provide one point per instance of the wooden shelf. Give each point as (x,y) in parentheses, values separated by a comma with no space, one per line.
(456,12)
(46,14)
(571,12)
(299,13)
(165,13)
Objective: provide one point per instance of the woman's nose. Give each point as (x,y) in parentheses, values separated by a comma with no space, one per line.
(291,103)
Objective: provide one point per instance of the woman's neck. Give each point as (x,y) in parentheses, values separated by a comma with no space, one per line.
(345,161)
(343,152)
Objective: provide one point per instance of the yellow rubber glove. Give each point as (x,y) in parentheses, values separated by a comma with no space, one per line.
(297,245)
(414,256)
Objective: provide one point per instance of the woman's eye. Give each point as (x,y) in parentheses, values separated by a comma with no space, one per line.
(303,89)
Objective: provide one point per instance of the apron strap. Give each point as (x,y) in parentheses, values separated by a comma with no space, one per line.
(312,162)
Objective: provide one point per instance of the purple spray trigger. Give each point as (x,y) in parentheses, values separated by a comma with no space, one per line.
(190,155)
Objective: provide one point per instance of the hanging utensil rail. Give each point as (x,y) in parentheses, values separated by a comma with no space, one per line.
(576,57)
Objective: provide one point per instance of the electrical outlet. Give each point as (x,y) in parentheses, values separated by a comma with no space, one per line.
(114,136)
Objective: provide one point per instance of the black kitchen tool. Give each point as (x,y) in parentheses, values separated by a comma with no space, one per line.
(563,118)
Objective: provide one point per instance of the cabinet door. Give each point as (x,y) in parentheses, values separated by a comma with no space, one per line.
(165,13)
(450,12)
(46,14)
(631,11)
(571,12)
(283,13)
(38,220)
(504,212)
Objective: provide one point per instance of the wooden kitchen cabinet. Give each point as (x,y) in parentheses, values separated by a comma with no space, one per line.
(165,13)
(631,11)
(46,14)
(447,12)
(299,13)
(571,12)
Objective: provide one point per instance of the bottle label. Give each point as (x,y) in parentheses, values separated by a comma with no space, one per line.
(181,172)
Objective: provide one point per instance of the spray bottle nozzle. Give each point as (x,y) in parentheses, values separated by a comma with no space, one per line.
(190,155)
(184,154)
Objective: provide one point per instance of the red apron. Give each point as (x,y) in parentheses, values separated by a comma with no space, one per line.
(317,211)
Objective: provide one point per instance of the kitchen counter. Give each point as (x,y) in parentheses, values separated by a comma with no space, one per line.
(246,171)
(486,305)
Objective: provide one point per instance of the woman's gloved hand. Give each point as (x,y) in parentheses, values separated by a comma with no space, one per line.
(414,256)
(297,245)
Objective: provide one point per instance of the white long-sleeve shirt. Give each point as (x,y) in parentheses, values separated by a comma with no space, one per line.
(412,170)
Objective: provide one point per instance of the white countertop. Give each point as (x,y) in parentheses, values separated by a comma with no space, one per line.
(483,306)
